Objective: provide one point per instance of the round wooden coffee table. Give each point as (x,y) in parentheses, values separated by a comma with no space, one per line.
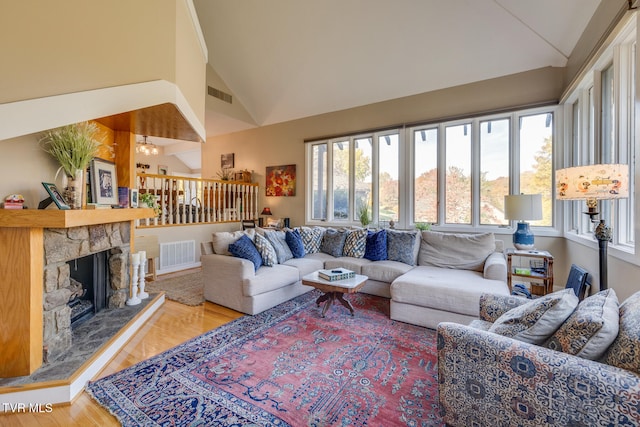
(334,290)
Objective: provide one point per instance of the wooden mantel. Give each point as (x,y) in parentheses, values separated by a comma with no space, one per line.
(55,218)
(22,281)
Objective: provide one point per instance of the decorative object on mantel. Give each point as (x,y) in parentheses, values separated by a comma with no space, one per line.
(14,201)
(104,182)
(54,196)
(73,146)
(281,180)
(134,197)
(592,183)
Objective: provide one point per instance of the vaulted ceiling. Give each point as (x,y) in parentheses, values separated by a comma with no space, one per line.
(287,59)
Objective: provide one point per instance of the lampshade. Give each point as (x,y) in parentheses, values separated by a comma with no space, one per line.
(266,211)
(596,182)
(523,207)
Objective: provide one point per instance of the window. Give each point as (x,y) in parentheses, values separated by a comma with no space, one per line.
(602,126)
(456,173)
(389,177)
(319,180)
(536,165)
(425,181)
(494,170)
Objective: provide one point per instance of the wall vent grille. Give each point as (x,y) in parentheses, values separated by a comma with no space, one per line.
(176,254)
(217,93)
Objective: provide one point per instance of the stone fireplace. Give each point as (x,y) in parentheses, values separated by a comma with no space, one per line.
(62,245)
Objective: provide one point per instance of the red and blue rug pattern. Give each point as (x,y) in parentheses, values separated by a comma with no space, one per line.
(287,366)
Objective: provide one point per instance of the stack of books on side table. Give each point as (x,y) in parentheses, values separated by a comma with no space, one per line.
(336,274)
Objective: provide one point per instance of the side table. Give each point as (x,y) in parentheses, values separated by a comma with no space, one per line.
(538,272)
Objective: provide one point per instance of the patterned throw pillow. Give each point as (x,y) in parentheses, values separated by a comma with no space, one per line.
(625,350)
(311,239)
(376,248)
(333,242)
(268,254)
(535,321)
(294,241)
(402,246)
(590,329)
(277,240)
(244,248)
(355,243)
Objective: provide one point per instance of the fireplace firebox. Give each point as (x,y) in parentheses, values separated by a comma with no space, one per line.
(89,278)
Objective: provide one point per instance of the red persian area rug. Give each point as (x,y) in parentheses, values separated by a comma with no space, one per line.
(287,366)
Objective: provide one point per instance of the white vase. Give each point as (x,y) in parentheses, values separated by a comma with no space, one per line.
(75,189)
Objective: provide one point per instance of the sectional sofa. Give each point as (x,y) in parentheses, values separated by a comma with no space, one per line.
(429,276)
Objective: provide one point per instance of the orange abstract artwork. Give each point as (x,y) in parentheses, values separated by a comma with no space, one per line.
(281,180)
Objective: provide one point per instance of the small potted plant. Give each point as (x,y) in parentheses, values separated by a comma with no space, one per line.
(73,146)
(363,215)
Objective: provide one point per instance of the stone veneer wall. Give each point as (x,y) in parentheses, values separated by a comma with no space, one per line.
(66,244)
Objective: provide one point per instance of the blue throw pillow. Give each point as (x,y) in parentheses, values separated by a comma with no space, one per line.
(294,240)
(333,242)
(376,249)
(244,248)
(402,246)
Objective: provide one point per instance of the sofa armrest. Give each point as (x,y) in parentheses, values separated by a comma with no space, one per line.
(488,379)
(223,277)
(495,267)
(493,306)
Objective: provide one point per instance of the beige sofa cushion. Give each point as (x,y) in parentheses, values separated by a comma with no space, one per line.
(350,263)
(270,278)
(457,291)
(385,271)
(455,251)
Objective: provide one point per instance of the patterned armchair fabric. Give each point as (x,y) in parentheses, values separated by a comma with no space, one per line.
(490,380)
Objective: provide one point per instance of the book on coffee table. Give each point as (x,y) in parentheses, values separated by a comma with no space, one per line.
(336,274)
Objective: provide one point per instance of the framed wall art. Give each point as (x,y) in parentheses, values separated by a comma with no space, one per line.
(104,182)
(281,180)
(226,161)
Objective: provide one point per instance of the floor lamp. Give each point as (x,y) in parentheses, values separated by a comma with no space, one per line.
(593,183)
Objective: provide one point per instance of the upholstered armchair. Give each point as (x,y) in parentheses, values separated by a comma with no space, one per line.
(486,379)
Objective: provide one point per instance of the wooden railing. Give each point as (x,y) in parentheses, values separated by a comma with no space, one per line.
(184,200)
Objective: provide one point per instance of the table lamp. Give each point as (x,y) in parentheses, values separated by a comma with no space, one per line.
(523,207)
(592,183)
(265,212)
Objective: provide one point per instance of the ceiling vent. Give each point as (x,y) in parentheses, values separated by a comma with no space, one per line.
(217,93)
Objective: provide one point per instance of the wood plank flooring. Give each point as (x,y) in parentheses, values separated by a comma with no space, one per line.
(172,324)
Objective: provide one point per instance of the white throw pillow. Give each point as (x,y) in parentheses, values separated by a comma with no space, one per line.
(535,321)
(222,239)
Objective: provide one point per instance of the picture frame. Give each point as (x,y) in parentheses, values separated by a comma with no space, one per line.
(227,161)
(104,182)
(56,196)
(280,181)
(163,170)
(134,197)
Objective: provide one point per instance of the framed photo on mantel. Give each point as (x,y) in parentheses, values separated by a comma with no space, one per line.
(104,182)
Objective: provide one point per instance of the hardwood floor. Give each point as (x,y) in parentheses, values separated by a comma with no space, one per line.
(172,324)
